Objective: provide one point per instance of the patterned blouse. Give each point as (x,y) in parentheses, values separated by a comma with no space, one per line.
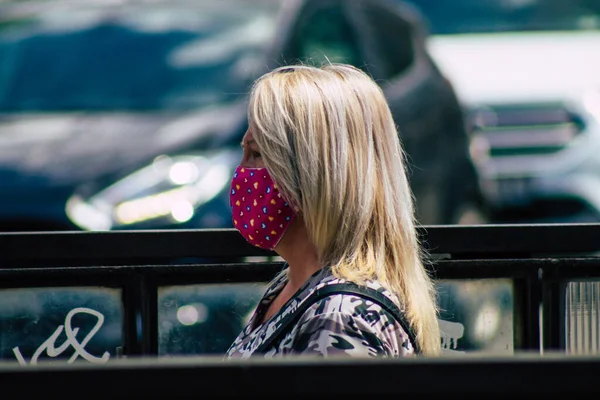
(341,324)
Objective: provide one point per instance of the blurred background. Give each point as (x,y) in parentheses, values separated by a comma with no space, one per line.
(128,114)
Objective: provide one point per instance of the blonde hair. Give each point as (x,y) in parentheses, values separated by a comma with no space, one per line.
(329,141)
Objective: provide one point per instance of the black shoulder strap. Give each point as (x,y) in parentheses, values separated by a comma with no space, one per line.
(367,293)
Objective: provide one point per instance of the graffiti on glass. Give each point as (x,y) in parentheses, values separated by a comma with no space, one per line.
(49,346)
(450,333)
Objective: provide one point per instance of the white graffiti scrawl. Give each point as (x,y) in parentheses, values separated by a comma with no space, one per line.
(71,341)
(450,333)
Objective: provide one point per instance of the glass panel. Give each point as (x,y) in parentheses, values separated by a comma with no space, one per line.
(75,323)
(582,324)
(476,315)
(204,319)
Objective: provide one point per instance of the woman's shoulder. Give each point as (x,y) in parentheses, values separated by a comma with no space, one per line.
(348,301)
(352,324)
(358,306)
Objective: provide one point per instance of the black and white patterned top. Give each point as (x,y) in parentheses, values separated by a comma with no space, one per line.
(341,324)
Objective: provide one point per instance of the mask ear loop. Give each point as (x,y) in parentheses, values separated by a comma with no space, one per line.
(286,230)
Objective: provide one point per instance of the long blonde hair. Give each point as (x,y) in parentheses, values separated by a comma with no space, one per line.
(329,141)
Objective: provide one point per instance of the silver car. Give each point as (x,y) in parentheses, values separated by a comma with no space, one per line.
(528,75)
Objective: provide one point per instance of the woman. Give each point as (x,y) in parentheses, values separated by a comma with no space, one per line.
(322,183)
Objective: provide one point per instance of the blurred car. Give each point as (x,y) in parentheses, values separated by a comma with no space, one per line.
(129,114)
(528,73)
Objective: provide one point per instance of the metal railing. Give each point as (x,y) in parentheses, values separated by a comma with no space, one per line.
(541,261)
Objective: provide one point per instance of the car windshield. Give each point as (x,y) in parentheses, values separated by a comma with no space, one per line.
(480,16)
(131,57)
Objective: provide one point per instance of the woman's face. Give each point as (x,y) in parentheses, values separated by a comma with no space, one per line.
(252,157)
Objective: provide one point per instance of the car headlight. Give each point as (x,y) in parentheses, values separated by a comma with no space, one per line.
(170,187)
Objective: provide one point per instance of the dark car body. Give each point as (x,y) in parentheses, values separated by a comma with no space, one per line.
(100,102)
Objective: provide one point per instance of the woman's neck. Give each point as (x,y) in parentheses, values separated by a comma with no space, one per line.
(300,254)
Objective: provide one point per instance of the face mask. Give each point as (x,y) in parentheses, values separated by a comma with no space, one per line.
(259,211)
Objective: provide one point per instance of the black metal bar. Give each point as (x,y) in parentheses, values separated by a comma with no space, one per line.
(135,338)
(562,269)
(527,298)
(216,273)
(519,309)
(554,315)
(488,268)
(150,315)
(507,240)
(523,331)
(93,276)
(116,275)
(189,377)
(571,268)
(534,311)
(30,249)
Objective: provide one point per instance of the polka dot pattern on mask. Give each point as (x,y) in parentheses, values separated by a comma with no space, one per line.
(259,211)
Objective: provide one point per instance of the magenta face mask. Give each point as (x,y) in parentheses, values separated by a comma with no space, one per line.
(259,211)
